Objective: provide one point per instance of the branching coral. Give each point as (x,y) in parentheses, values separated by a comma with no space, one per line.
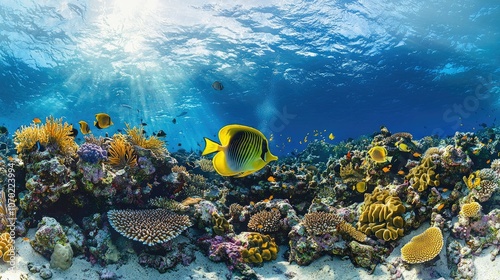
(26,137)
(205,165)
(265,221)
(382,215)
(320,223)
(121,153)
(153,143)
(423,247)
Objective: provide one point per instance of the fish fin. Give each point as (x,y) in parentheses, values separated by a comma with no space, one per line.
(227,132)
(221,166)
(210,147)
(270,157)
(244,174)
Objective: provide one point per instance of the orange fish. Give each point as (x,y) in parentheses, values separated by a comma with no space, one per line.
(440,207)
(348,155)
(10,158)
(488,161)
(37,120)
(415,154)
(387,168)
(26,239)
(271,179)
(401,172)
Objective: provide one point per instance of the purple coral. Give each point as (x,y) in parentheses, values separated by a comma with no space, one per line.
(92,153)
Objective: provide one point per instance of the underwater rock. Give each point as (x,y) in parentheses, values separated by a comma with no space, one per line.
(49,233)
(62,257)
(100,248)
(168,255)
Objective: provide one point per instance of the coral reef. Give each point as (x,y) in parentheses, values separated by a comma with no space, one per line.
(148,226)
(259,248)
(153,143)
(423,247)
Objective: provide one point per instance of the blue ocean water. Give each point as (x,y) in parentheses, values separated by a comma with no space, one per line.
(289,68)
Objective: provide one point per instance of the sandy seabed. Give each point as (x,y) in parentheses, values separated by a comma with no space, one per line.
(327,267)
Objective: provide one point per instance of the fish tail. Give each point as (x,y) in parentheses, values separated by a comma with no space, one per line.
(210,147)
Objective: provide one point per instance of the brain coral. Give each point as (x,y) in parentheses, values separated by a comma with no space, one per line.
(470,209)
(382,215)
(423,247)
(265,221)
(423,175)
(148,226)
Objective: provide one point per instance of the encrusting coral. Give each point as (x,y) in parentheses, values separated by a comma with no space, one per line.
(121,153)
(148,226)
(382,215)
(6,246)
(265,221)
(423,247)
(54,135)
(424,175)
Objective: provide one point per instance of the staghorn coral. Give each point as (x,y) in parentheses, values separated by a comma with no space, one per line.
(423,175)
(261,247)
(153,143)
(148,226)
(265,221)
(382,215)
(121,153)
(470,210)
(423,247)
(6,247)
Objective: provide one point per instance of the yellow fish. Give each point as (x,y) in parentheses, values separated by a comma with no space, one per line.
(379,154)
(84,127)
(243,151)
(103,120)
(402,147)
(360,187)
(331,136)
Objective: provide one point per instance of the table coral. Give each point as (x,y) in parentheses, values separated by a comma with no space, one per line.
(423,247)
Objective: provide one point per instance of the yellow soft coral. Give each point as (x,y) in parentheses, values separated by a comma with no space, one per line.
(423,247)
(121,153)
(54,133)
(473,181)
(153,143)
(6,247)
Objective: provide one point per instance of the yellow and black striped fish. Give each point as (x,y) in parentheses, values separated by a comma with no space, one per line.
(84,127)
(243,151)
(103,120)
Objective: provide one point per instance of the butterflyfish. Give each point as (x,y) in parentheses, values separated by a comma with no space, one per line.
(84,127)
(243,151)
(103,120)
(378,154)
(331,136)
(360,187)
(217,85)
(402,147)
